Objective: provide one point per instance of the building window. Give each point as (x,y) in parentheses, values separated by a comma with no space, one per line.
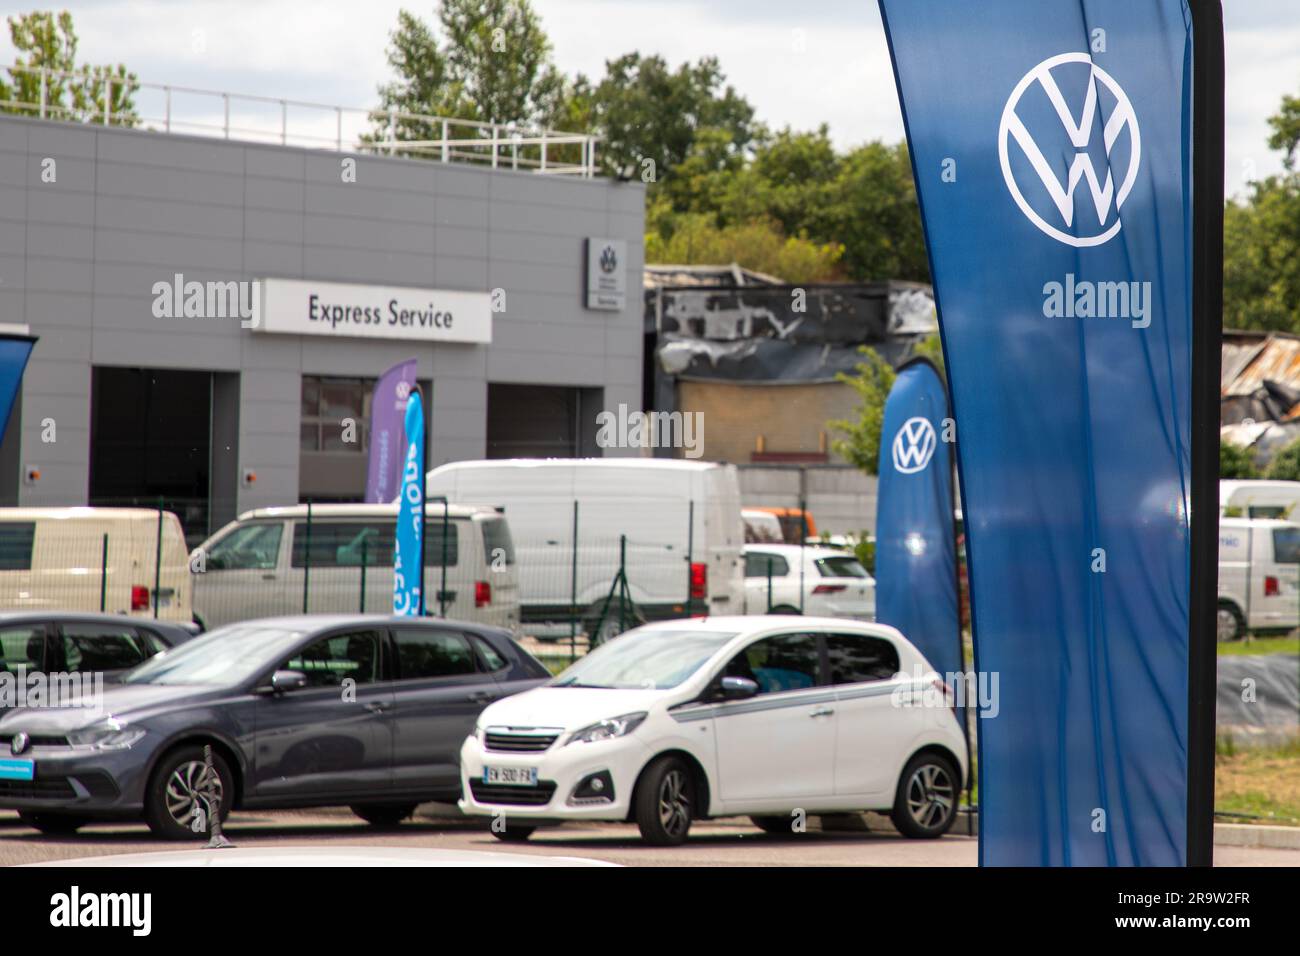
(326,402)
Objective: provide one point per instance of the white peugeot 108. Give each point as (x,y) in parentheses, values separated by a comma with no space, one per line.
(771,717)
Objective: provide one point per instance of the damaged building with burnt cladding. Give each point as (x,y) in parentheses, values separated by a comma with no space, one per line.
(760,360)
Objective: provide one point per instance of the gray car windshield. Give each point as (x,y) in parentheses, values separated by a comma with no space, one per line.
(645,659)
(222,658)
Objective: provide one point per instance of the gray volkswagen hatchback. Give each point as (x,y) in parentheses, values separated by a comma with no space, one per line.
(315,710)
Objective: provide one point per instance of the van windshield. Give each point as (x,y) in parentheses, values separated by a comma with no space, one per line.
(644,660)
(1286,545)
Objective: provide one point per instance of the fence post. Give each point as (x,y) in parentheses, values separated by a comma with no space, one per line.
(365,543)
(803,537)
(108,111)
(44,90)
(690,555)
(167,123)
(103,576)
(445,148)
(622,573)
(284,123)
(573,590)
(442,590)
(225,97)
(769,584)
(157,559)
(306,559)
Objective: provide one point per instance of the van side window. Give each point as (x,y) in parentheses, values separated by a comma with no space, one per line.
(254,547)
(1286,545)
(341,544)
(497,543)
(16,545)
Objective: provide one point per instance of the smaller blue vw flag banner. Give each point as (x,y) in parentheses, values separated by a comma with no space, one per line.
(1057,147)
(408,547)
(916,552)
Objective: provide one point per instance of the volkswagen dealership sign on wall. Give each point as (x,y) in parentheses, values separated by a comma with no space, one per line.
(1068,159)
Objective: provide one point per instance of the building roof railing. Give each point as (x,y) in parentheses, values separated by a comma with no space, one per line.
(263,119)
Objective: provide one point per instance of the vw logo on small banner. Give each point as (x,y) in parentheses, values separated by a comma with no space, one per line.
(1044,147)
(914,445)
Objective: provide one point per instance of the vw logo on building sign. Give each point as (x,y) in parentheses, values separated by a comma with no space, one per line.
(1053,209)
(608,260)
(914,445)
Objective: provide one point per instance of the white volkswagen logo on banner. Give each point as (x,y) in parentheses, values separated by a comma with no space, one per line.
(1105,197)
(914,445)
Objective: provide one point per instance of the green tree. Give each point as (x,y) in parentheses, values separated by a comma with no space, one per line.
(649,116)
(759,244)
(486,60)
(1261,260)
(1235,462)
(872,380)
(48,41)
(1285,465)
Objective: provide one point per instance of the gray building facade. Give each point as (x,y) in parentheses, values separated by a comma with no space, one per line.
(91,218)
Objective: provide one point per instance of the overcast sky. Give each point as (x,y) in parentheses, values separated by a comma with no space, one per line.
(800,63)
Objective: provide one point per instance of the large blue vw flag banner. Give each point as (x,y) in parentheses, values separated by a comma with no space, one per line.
(916,551)
(1054,145)
(15,350)
(408,547)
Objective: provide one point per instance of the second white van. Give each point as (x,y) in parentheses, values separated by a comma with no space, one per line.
(1259,576)
(673,525)
(261,564)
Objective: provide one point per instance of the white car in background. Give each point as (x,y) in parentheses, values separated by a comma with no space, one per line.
(833,582)
(768,717)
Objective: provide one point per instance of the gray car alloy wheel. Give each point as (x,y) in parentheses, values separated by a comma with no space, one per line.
(674,803)
(183,789)
(930,795)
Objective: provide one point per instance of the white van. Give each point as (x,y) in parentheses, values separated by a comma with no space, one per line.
(1252,498)
(257,565)
(54,559)
(681,520)
(1259,583)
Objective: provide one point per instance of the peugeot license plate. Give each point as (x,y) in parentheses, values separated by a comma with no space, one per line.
(511,776)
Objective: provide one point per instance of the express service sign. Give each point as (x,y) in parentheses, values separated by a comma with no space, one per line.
(344,310)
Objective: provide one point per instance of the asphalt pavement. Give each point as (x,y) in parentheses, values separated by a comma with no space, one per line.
(731,842)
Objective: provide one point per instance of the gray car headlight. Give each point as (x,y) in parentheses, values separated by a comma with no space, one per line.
(106,735)
(607,729)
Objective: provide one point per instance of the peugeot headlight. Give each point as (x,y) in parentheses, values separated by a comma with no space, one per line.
(608,729)
(108,734)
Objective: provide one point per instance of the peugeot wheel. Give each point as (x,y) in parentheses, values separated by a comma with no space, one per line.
(926,802)
(664,802)
(176,797)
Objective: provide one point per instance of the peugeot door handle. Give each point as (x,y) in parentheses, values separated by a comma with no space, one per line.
(822,712)
(377,706)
